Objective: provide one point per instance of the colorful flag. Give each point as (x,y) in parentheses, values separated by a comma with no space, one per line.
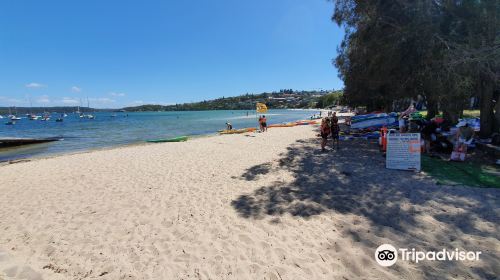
(261,108)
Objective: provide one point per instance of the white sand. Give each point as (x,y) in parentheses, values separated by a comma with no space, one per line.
(257,206)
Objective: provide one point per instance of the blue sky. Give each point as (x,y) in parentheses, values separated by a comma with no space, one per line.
(120,53)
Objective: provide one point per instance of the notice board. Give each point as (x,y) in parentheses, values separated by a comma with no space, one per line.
(403,151)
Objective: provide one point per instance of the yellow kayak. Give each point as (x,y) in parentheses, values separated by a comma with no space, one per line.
(283,125)
(237,131)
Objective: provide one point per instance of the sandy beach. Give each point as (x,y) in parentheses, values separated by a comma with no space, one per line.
(253,206)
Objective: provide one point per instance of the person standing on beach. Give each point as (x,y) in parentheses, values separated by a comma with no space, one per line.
(334,127)
(334,117)
(264,123)
(325,131)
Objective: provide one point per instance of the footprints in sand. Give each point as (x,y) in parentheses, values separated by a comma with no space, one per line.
(245,239)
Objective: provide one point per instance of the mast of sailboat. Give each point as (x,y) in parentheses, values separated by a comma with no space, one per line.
(31,106)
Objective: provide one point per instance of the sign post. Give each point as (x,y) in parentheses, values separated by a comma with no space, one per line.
(403,151)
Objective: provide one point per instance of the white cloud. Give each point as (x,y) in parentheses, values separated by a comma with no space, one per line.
(76,89)
(10,101)
(141,102)
(69,101)
(117,94)
(101,100)
(35,85)
(43,99)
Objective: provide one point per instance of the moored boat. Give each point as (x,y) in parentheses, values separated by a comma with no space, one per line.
(175,139)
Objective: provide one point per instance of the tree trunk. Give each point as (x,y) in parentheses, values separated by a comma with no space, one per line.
(451,115)
(432,108)
(486,107)
(452,110)
(496,124)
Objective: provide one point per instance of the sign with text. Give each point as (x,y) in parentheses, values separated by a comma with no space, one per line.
(403,151)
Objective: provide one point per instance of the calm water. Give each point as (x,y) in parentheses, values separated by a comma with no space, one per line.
(106,131)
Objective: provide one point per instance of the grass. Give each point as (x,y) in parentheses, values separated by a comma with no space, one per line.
(471,113)
(461,173)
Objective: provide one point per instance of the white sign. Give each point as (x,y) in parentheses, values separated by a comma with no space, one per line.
(403,151)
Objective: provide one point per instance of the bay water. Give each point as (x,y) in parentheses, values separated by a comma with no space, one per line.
(114,129)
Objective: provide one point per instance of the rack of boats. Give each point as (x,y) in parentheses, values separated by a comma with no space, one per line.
(377,120)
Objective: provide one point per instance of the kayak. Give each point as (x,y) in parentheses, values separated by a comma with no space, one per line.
(237,131)
(374,122)
(359,118)
(282,125)
(305,122)
(176,139)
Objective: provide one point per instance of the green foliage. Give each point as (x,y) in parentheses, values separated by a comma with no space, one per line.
(442,51)
(285,99)
(334,98)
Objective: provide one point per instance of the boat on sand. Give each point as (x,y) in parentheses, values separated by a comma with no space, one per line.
(175,139)
(237,131)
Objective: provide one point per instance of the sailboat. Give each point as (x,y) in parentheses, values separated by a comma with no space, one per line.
(79,112)
(10,116)
(89,116)
(46,115)
(13,117)
(31,116)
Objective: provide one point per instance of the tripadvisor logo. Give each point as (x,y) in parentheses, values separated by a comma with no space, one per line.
(387,255)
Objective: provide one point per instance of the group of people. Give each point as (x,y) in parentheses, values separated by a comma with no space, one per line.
(330,126)
(262,124)
(431,132)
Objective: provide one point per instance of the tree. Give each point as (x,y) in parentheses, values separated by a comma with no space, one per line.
(444,51)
